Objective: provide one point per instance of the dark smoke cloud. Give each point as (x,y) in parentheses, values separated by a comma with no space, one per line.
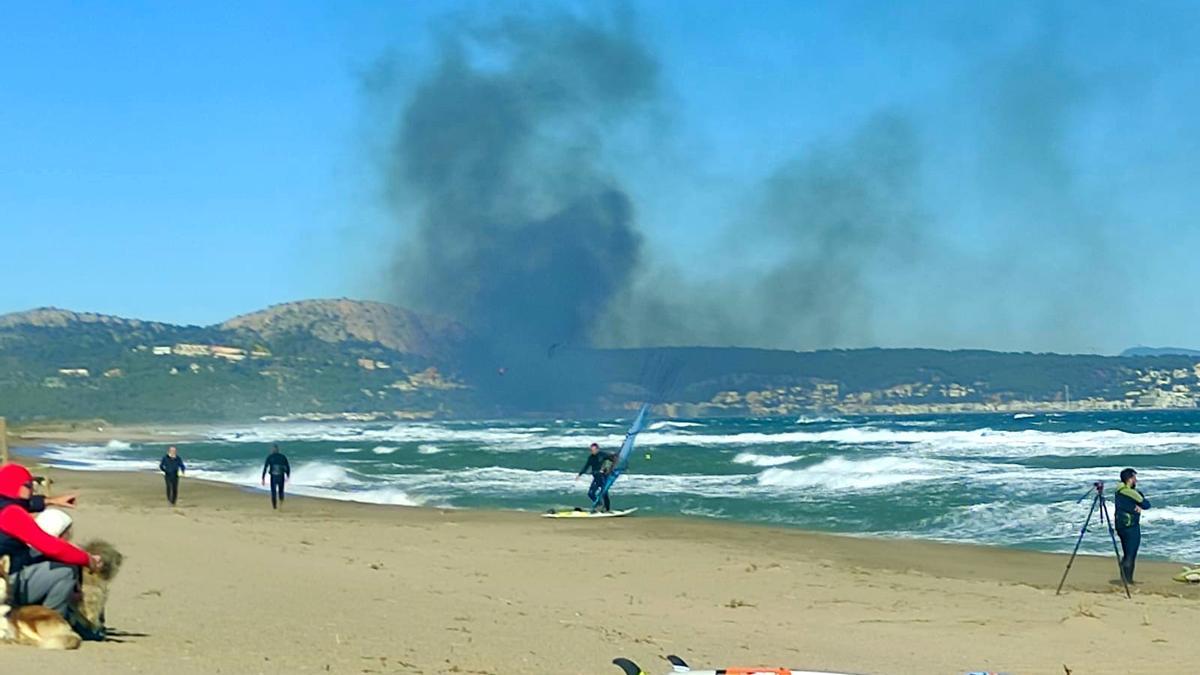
(821,233)
(960,222)
(921,227)
(519,232)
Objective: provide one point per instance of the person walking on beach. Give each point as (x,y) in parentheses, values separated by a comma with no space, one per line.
(276,465)
(172,466)
(599,464)
(1129,502)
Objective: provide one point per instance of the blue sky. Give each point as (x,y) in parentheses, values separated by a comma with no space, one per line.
(187,162)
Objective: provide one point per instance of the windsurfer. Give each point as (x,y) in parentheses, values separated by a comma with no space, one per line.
(600,465)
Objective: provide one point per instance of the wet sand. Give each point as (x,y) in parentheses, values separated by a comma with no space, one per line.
(222,584)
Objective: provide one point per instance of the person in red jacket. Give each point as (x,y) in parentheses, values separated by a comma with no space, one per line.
(52,581)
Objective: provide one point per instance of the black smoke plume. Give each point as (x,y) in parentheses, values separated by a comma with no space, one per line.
(520,233)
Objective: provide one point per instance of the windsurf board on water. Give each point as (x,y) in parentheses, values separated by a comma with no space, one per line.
(581,513)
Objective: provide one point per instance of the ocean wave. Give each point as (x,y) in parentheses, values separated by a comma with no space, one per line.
(672,424)
(1186,515)
(347,451)
(384,495)
(384,449)
(765,460)
(118,445)
(805,419)
(429,449)
(841,474)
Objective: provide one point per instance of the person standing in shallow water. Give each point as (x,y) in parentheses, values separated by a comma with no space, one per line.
(600,464)
(276,465)
(172,466)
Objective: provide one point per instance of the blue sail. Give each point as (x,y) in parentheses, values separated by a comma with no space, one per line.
(622,460)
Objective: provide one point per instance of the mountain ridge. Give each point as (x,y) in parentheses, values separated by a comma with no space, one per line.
(341,356)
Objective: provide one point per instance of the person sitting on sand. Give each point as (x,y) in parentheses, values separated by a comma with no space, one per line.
(276,465)
(55,523)
(172,467)
(52,581)
(1128,503)
(599,463)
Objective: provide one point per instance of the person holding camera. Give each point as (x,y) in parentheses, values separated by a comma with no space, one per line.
(1129,502)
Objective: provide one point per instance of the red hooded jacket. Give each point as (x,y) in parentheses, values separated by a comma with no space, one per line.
(17,524)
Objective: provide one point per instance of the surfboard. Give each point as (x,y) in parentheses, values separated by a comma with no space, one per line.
(1189,575)
(679,666)
(580,513)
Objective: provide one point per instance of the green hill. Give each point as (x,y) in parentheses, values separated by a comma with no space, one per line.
(325,357)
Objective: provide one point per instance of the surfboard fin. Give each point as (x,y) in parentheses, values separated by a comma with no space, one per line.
(678,664)
(628,666)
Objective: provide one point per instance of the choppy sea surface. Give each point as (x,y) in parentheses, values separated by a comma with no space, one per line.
(1011,480)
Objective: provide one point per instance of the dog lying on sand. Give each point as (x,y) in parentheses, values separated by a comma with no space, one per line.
(45,628)
(33,624)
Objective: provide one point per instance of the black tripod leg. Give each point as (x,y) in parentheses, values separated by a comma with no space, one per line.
(1112,535)
(1079,541)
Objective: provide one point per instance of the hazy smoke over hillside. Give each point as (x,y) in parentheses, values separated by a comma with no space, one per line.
(961,223)
(820,228)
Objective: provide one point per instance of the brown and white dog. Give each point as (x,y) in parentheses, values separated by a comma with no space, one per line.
(33,624)
(89,611)
(47,629)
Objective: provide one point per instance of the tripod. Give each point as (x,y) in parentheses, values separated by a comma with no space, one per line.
(1097,500)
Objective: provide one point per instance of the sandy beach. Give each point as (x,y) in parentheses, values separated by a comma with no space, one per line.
(221,584)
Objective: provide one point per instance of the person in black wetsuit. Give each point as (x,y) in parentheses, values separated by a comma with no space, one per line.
(599,464)
(276,465)
(172,465)
(1129,502)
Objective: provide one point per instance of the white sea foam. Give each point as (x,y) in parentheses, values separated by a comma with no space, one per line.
(672,424)
(1186,515)
(386,495)
(118,445)
(1023,416)
(764,460)
(429,449)
(841,474)
(805,419)
(347,451)
(384,449)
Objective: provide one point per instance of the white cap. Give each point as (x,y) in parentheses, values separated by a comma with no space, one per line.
(54,522)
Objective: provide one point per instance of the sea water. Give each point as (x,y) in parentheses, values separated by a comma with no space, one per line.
(1001,479)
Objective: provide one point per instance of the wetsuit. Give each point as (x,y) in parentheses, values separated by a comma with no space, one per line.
(171,468)
(1129,527)
(599,465)
(277,465)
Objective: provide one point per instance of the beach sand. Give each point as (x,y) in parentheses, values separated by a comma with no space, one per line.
(221,584)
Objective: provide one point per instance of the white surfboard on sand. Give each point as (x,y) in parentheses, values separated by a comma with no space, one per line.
(580,513)
(679,666)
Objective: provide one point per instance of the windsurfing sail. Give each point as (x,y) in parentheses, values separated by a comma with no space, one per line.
(622,460)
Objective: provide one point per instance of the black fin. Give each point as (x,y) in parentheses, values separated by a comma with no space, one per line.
(676,661)
(628,666)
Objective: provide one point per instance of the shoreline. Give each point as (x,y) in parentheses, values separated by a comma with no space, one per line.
(882,551)
(387,589)
(162,434)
